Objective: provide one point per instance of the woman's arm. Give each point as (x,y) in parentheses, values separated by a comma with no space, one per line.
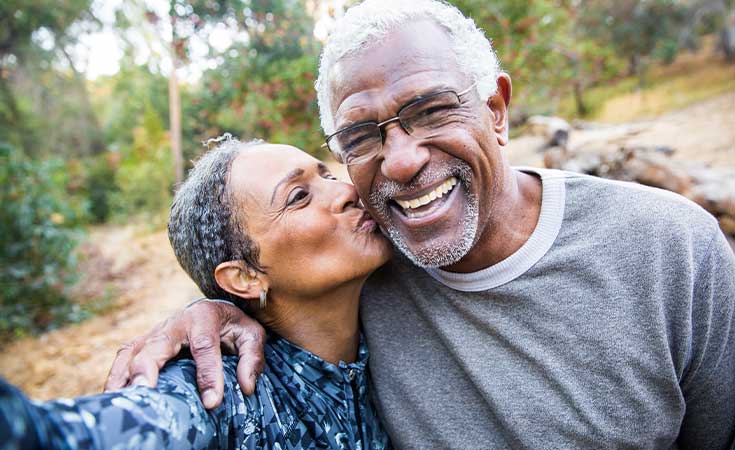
(170,416)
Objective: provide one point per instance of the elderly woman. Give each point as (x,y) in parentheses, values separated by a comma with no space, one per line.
(268,227)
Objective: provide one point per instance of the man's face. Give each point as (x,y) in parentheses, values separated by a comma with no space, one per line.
(434,196)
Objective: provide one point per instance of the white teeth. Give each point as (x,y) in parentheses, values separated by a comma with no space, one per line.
(438,192)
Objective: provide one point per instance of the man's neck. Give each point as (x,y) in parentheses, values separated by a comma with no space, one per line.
(514,218)
(327,326)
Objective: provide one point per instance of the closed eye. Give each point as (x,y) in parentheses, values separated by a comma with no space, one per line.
(433,109)
(329,176)
(355,141)
(296,196)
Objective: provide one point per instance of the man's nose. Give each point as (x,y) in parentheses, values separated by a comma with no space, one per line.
(403,157)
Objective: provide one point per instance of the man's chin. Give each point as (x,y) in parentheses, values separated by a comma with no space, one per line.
(435,253)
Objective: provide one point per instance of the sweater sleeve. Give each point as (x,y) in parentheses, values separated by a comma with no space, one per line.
(171,416)
(709,380)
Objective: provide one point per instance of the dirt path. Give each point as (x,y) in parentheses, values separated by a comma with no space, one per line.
(142,269)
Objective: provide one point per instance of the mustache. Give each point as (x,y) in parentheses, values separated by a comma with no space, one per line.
(388,189)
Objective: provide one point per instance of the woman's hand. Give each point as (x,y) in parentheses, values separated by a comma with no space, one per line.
(202,327)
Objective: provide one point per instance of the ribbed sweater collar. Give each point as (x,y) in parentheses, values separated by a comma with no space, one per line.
(541,240)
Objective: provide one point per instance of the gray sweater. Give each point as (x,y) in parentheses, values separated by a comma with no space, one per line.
(612,327)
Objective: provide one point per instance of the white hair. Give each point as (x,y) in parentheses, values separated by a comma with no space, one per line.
(366,24)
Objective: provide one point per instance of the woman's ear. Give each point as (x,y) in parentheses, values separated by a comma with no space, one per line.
(498,104)
(240,280)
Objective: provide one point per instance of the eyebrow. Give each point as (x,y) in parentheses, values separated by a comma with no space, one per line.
(292,175)
(442,87)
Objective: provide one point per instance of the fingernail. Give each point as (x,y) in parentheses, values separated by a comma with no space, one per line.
(209,398)
(140,381)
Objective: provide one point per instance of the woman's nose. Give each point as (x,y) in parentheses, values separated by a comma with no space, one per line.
(345,197)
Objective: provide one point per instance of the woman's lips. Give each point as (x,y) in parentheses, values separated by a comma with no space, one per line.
(365,223)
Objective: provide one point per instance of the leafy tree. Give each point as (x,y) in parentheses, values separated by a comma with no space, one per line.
(539,47)
(638,30)
(187,20)
(44,106)
(144,180)
(265,89)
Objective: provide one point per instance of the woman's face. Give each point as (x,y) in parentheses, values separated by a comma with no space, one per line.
(310,231)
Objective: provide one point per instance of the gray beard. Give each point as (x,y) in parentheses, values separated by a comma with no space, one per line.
(439,254)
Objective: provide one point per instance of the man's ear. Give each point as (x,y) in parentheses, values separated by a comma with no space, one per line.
(240,280)
(498,104)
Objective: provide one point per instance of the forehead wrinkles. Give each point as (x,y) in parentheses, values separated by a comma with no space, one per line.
(395,68)
(385,102)
(255,174)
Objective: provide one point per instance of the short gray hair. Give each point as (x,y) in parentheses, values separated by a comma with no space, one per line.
(366,24)
(204,228)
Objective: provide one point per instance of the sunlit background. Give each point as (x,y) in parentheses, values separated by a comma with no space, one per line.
(104,104)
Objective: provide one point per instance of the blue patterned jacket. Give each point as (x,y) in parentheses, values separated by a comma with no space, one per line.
(301,402)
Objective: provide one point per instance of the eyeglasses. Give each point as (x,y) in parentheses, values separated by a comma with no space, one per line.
(422,118)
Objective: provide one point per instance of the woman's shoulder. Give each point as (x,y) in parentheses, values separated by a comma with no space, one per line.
(183,372)
(237,418)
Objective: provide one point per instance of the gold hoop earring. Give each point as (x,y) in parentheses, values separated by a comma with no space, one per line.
(263,298)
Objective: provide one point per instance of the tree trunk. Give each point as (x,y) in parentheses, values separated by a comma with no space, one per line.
(16,119)
(582,109)
(174,113)
(174,101)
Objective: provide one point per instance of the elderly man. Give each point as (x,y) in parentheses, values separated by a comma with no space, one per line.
(529,308)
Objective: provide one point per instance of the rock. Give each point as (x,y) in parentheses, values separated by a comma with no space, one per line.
(655,169)
(728,225)
(713,189)
(555,129)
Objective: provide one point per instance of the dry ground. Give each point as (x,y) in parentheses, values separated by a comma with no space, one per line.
(141,267)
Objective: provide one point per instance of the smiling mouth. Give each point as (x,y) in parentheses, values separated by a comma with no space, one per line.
(424,204)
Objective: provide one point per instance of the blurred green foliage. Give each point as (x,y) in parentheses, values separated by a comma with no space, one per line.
(559,48)
(39,228)
(45,110)
(144,180)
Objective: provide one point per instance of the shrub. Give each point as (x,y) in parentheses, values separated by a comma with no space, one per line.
(100,184)
(39,230)
(146,176)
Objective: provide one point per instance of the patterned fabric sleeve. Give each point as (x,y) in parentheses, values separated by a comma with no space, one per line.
(171,416)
